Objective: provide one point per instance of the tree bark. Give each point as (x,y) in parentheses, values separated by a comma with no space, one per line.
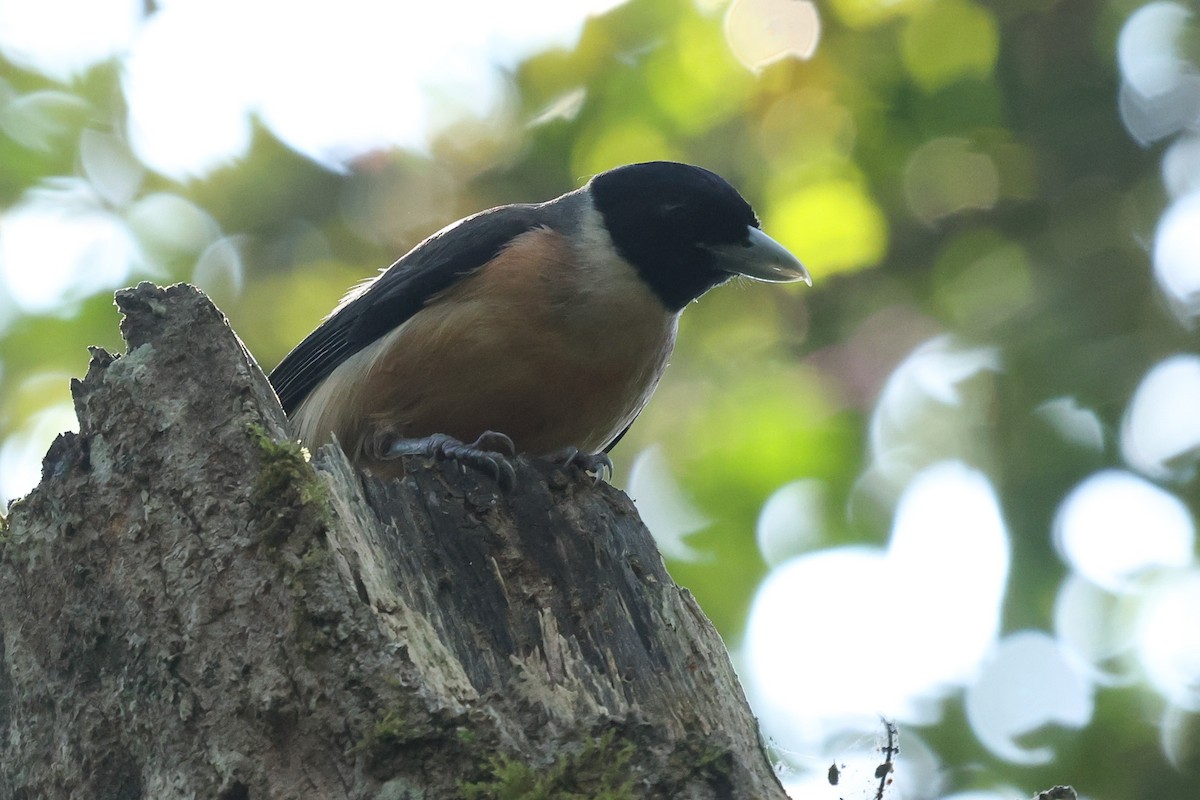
(192,608)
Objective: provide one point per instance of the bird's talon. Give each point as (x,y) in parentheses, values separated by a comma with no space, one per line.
(599,465)
(506,475)
(495,442)
(485,453)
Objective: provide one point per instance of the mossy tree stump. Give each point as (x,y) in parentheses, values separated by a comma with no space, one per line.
(189,607)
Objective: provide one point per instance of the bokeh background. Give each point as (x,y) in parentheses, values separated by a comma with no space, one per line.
(954,483)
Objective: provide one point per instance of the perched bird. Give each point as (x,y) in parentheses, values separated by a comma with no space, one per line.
(539,329)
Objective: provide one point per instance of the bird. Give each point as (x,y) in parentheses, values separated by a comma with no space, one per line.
(539,328)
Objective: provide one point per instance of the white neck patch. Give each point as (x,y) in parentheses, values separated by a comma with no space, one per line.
(606,276)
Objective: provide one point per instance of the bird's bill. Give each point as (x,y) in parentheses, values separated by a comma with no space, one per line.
(761,258)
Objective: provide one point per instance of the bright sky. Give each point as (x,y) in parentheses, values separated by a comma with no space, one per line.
(196,70)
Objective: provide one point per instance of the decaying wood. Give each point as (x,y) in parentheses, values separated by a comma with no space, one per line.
(189,608)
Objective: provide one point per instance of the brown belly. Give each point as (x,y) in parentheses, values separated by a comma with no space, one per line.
(521,384)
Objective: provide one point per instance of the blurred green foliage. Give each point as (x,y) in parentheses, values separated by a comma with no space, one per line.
(941,167)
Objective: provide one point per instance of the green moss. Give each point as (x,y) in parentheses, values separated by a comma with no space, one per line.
(393,731)
(285,465)
(285,482)
(597,772)
(707,762)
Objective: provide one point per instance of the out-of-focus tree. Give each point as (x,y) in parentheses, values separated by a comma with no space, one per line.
(954,483)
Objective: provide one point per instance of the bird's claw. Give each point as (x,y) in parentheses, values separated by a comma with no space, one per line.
(599,465)
(491,452)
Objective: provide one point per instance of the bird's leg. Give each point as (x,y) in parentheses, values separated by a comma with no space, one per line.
(490,452)
(599,464)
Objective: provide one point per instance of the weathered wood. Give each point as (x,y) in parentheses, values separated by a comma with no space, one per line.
(190,608)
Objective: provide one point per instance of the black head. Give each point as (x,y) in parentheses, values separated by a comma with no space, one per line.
(686,230)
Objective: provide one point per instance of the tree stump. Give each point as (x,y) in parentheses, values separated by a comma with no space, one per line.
(190,607)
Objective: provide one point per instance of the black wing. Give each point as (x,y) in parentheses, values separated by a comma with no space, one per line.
(401,291)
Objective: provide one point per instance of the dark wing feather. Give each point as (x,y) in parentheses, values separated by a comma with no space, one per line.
(400,292)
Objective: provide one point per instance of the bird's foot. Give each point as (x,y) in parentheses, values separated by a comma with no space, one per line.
(598,464)
(491,452)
